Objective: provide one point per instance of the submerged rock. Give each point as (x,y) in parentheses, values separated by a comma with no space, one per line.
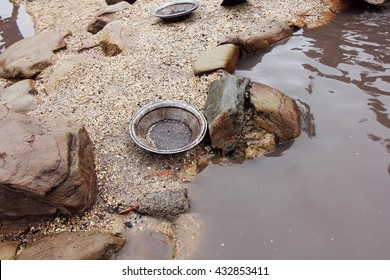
(259,38)
(30,56)
(224,111)
(275,112)
(73,246)
(106,15)
(222,57)
(19,96)
(46,166)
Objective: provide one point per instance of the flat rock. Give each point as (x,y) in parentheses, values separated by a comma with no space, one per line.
(275,112)
(30,56)
(259,38)
(221,57)
(224,111)
(165,204)
(19,97)
(46,166)
(113,39)
(106,15)
(153,240)
(73,246)
(8,250)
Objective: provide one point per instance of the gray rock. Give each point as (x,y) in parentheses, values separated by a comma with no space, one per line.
(106,15)
(8,250)
(113,39)
(259,38)
(73,246)
(30,56)
(165,204)
(224,111)
(19,96)
(221,57)
(275,112)
(46,165)
(232,2)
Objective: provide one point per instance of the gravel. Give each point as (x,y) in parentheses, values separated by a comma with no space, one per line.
(104,93)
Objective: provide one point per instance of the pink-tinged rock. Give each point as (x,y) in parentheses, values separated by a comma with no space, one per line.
(275,112)
(32,55)
(46,166)
(260,37)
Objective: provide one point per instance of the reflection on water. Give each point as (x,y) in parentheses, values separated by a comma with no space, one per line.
(325,195)
(15,24)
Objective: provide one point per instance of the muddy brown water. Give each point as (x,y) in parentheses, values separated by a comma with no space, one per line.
(325,195)
(15,24)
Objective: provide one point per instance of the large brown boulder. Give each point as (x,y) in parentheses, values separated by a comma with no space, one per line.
(46,166)
(30,56)
(224,111)
(259,38)
(73,246)
(275,112)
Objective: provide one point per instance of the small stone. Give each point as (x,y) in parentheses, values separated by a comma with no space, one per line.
(222,57)
(128,224)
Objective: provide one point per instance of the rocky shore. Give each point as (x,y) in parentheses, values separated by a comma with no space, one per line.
(85,85)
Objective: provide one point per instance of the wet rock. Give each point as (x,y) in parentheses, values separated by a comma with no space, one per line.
(254,142)
(259,38)
(19,96)
(113,2)
(187,230)
(114,39)
(153,239)
(224,111)
(107,15)
(73,246)
(8,250)
(30,56)
(232,2)
(222,57)
(46,166)
(275,112)
(166,204)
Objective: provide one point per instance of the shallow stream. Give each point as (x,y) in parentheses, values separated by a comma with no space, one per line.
(325,195)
